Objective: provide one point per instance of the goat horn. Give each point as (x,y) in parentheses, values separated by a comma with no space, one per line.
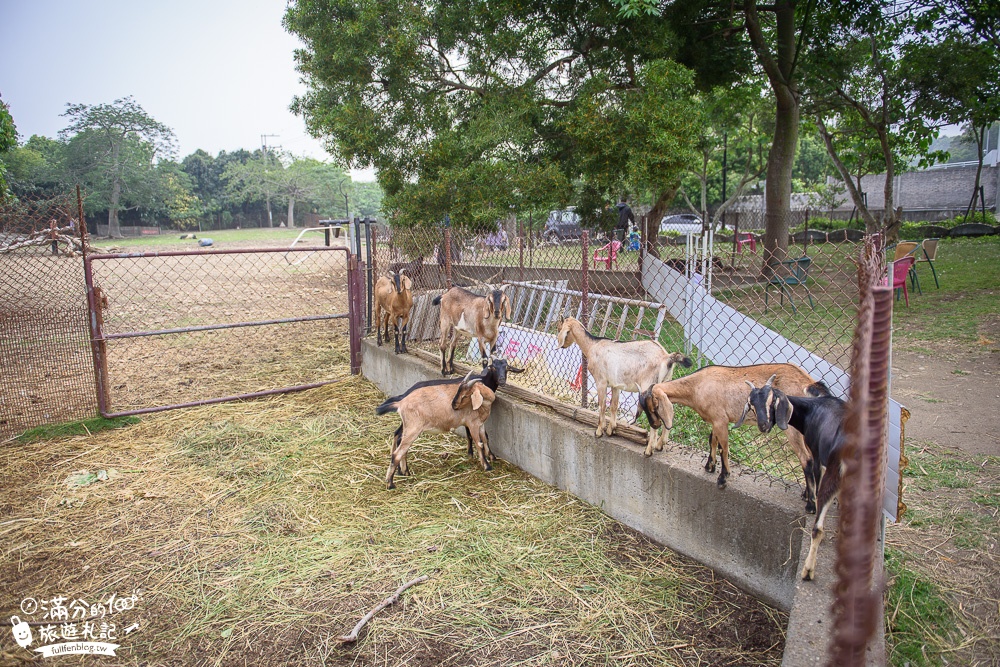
(752,387)
(770,380)
(402,271)
(468,375)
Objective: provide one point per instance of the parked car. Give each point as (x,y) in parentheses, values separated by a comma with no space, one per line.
(684,224)
(562,225)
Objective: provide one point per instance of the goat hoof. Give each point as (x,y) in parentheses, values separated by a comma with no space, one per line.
(721,482)
(391,486)
(647,453)
(810,507)
(807,575)
(710,466)
(489,466)
(599,432)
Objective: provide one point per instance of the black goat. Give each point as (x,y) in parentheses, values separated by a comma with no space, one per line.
(820,420)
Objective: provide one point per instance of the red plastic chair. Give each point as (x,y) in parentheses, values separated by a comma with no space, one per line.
(612,254)
(900,271)
(746,238)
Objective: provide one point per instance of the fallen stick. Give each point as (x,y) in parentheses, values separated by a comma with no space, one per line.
(391,600)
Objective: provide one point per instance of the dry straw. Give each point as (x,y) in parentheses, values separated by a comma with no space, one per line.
(258,532)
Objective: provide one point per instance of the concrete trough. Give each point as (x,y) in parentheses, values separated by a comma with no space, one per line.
(750,532)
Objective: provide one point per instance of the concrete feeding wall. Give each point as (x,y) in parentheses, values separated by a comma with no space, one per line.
(747,532)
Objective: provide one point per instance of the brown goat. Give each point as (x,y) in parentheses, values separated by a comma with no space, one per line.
(436,406)
(719,395)
(470,313)
(393,302)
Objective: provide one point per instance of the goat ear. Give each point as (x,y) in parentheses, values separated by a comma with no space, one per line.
(477,398)
(647,404)
(505,304)
(407,283)
(782,410)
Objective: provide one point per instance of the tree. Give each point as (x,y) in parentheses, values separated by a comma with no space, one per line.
(8,141)
(120,143)
(259,176)
(954,81)
(859,98)
(732,125)
(470,110)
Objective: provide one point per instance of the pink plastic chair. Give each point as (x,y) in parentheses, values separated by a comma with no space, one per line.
(746,238)
(612,254)
(900,271)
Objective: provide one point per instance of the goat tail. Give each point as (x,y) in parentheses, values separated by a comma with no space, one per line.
(436,300)
(818,389)
(390,405)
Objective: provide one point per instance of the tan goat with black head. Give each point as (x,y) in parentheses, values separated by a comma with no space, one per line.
(719,395)
(470,313)
(436,406)
(393,302)
(634,365)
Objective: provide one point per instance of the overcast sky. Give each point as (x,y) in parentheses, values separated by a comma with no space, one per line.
(220,73)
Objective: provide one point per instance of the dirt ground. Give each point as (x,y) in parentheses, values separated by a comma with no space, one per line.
(953,397)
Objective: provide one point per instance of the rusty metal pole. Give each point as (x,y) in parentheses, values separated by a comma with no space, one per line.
(82,222)
(98,345)
(447,257)
(520,250)
(354,305)
(584,319)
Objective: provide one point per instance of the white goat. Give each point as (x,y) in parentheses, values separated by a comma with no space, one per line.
(622,365)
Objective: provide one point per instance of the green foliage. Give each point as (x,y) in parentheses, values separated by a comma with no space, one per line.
(916,611)
(8,141)
(66,429)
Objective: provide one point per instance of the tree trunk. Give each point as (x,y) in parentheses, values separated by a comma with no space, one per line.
(291,212)
(114,230)
(980,137)
(781,159)
(652,229)
(270,218)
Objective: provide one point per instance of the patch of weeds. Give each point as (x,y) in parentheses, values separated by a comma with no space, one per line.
(919,621)
(959,371)
(930,471)
(968,529)
(82,427)
(987,499)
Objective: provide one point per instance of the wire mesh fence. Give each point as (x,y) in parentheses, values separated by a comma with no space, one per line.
(208,325)
(712,296)
(45,352)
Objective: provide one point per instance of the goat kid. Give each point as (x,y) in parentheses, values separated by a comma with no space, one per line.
(820,420)
(718,394)
(469,313)
(437,407)
(393,302)
(634,365)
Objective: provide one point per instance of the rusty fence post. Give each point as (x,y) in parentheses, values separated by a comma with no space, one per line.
(354,270)
(98,346)
(520,250)
(82,222)
(584,318)
(447,257)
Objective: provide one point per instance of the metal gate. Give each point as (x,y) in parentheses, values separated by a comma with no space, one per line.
(189,328)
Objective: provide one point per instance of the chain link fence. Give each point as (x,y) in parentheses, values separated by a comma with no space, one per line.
(209,325)
(45,351)
(709,295)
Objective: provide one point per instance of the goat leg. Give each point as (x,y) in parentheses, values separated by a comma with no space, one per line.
(722,442)
(405,351)
(829,486)
(710,464)
(602,394)
(612,424)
